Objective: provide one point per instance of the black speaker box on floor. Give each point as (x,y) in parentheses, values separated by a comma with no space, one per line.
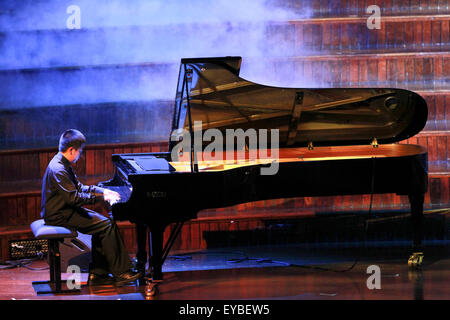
(27,248)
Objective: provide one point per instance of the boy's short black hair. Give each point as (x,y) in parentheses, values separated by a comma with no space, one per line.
(71,138)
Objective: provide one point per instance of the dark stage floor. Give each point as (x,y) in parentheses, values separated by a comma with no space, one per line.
(287,272)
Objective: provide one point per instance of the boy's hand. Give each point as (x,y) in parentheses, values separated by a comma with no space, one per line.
(111,196)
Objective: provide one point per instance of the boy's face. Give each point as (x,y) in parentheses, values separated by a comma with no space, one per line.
(74,154)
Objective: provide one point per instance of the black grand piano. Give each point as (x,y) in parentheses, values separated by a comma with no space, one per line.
(327,142)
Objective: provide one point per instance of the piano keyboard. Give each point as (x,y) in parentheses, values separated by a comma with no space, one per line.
(124,191)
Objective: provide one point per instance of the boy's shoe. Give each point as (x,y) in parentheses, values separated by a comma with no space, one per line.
(127,277)
(99,280)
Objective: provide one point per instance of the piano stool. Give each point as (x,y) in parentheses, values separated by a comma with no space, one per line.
(54,235)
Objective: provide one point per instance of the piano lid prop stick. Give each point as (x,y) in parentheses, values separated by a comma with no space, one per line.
(193,155)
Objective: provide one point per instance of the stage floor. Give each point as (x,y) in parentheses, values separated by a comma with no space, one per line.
(285,272)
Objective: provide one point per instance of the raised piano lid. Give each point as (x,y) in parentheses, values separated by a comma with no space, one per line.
(324,116)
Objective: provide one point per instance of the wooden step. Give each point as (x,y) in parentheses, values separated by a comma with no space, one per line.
(350,35)
(437,146)
(438,105)
(417,72)
(30,165)
(102,123)
(414,70)
(344,8)
(436,128)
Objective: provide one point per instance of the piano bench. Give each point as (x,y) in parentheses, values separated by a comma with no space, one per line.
(54,235)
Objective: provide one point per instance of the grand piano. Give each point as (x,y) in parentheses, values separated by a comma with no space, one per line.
(309,142)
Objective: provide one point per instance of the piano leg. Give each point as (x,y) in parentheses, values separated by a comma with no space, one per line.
(416,201)
(158,255)
(156,238)
(155,261)
(141,242)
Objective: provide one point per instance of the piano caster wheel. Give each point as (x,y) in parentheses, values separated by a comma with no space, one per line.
(152,288)
(151,291)
(415,260)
